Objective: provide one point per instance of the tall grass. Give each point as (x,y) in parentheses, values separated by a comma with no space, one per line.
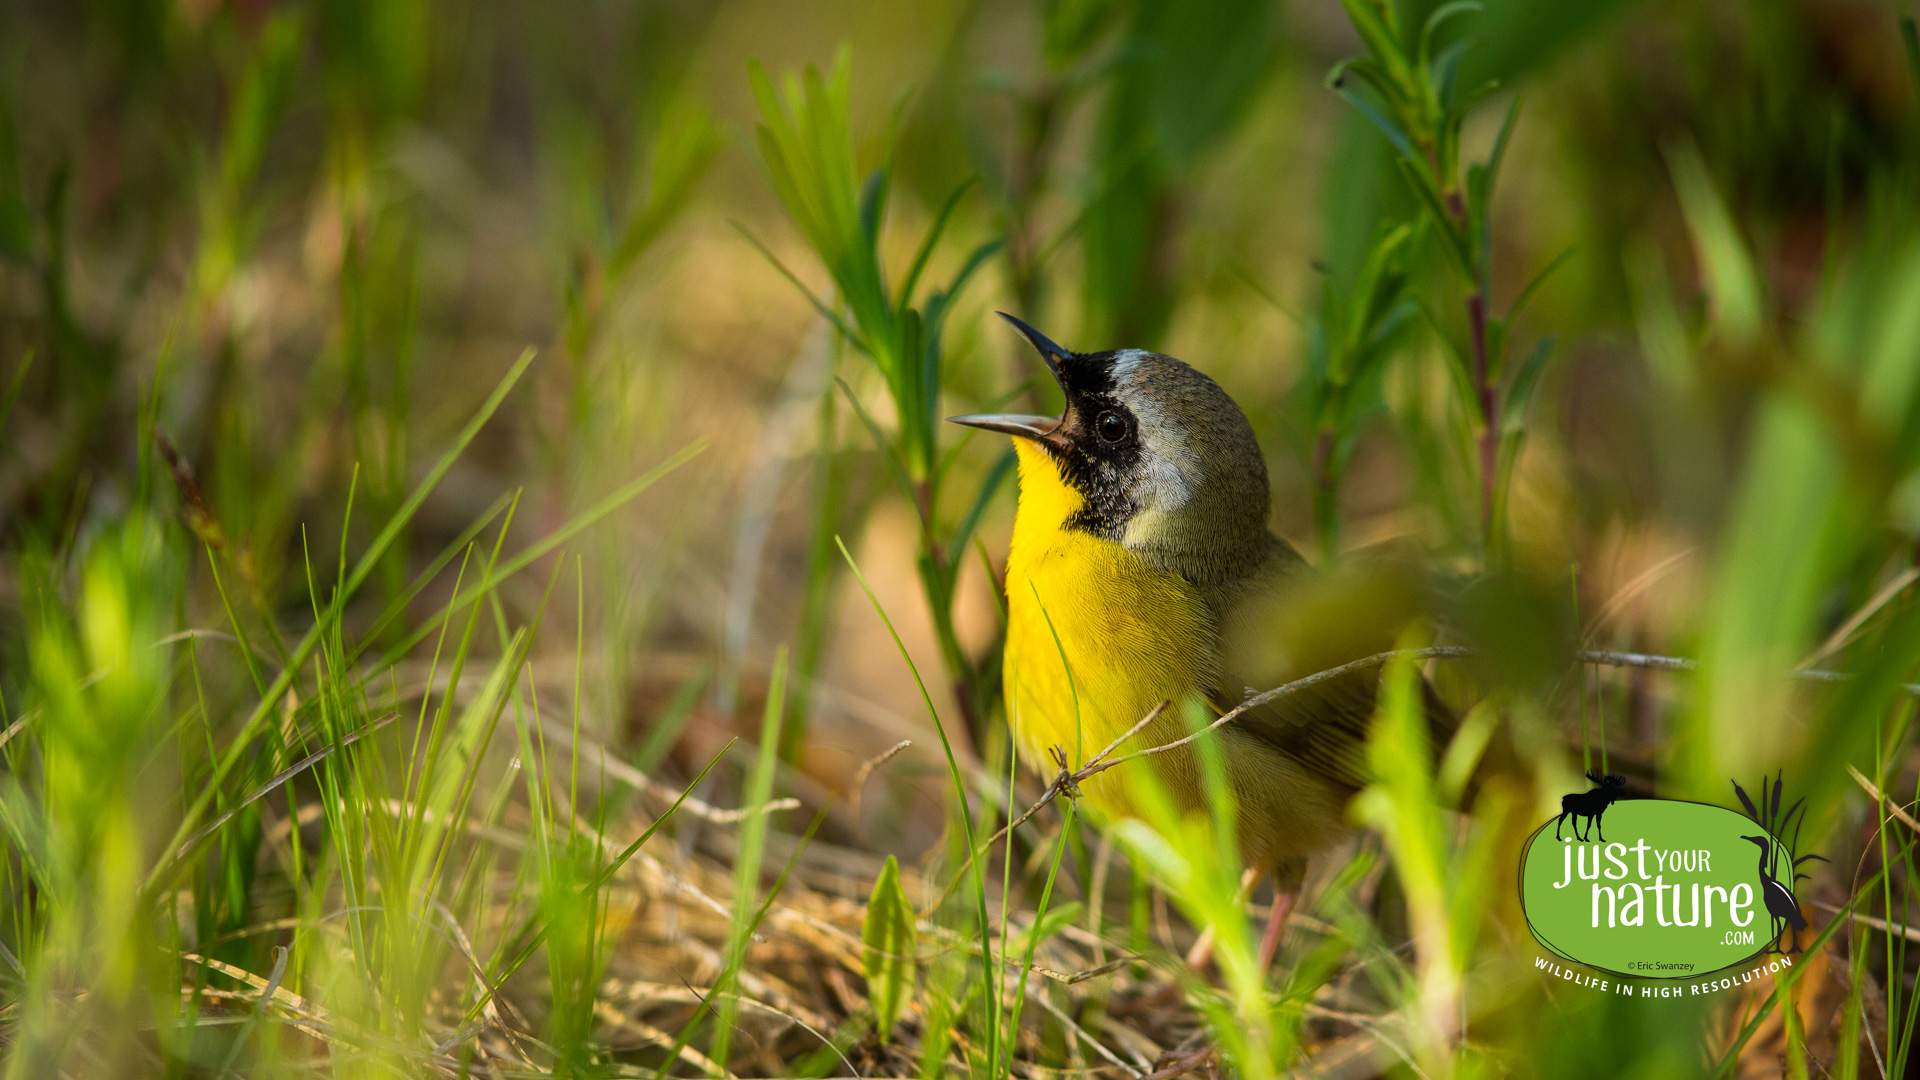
(807,148)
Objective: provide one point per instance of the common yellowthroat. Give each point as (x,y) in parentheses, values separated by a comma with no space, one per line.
(1142,570)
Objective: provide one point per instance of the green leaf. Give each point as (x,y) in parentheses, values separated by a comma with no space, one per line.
(1526,382)
(1458,366)
(258,101)
(873,205)
(1402,805)
(1500,141)
(965,808)
(926,246)
(1888,350)
(1717,243)
(1151,851)
(569,529)
(901,481)
(1440,17)
(682,149)
(887,948)
(820,306)
(1422,184)
(1539,279)
(1662,335)
(940,303)
(267,707)
(1383,41)
(1377,116)
(1378,287)
(806,148)
(1781,549)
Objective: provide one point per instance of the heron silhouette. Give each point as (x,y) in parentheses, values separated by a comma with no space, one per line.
(1781,907)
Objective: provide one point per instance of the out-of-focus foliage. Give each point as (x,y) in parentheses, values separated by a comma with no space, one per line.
(1181,81)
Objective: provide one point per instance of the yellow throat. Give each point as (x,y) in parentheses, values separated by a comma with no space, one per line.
(1095,638)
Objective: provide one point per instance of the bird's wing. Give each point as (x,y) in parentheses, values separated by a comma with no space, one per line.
(1326,726)
(1323,727)
(1287,622)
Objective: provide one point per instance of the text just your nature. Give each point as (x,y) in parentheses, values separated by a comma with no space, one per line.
(1626,904)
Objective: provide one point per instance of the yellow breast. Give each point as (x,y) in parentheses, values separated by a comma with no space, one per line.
(1095,638)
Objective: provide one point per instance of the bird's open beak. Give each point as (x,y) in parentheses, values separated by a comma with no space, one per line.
(1027,427)
(1020,424)
(1053,354)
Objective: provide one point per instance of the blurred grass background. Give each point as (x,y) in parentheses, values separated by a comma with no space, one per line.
(428,432)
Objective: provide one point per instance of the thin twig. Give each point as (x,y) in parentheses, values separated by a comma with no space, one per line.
(1611,658)
(1905,931)
(1680,663)
(865,770)
(1633,589)
(1446,652)
(1181,1064)
(1845,631)
(1867,785)
(282,777)
(1067,782)
(1069,978)
(1064,782)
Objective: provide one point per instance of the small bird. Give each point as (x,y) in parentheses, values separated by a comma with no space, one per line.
(1782,908)
(1142,569)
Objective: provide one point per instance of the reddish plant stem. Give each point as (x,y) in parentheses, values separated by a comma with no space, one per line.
(1326,509)
(923,505)
(1482,373)
(1323,457)
(1490,431)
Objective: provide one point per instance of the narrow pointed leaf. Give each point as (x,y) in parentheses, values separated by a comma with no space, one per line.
(888,942)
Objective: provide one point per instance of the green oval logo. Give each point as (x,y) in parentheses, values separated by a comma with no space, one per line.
(1674,890)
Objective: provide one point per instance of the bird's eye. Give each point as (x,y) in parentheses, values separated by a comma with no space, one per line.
(1111,426)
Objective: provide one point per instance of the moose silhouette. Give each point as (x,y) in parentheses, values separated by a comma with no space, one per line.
(1590,805)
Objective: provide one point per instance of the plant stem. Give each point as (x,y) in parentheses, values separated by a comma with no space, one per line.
(1326,496)
(1489,411)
